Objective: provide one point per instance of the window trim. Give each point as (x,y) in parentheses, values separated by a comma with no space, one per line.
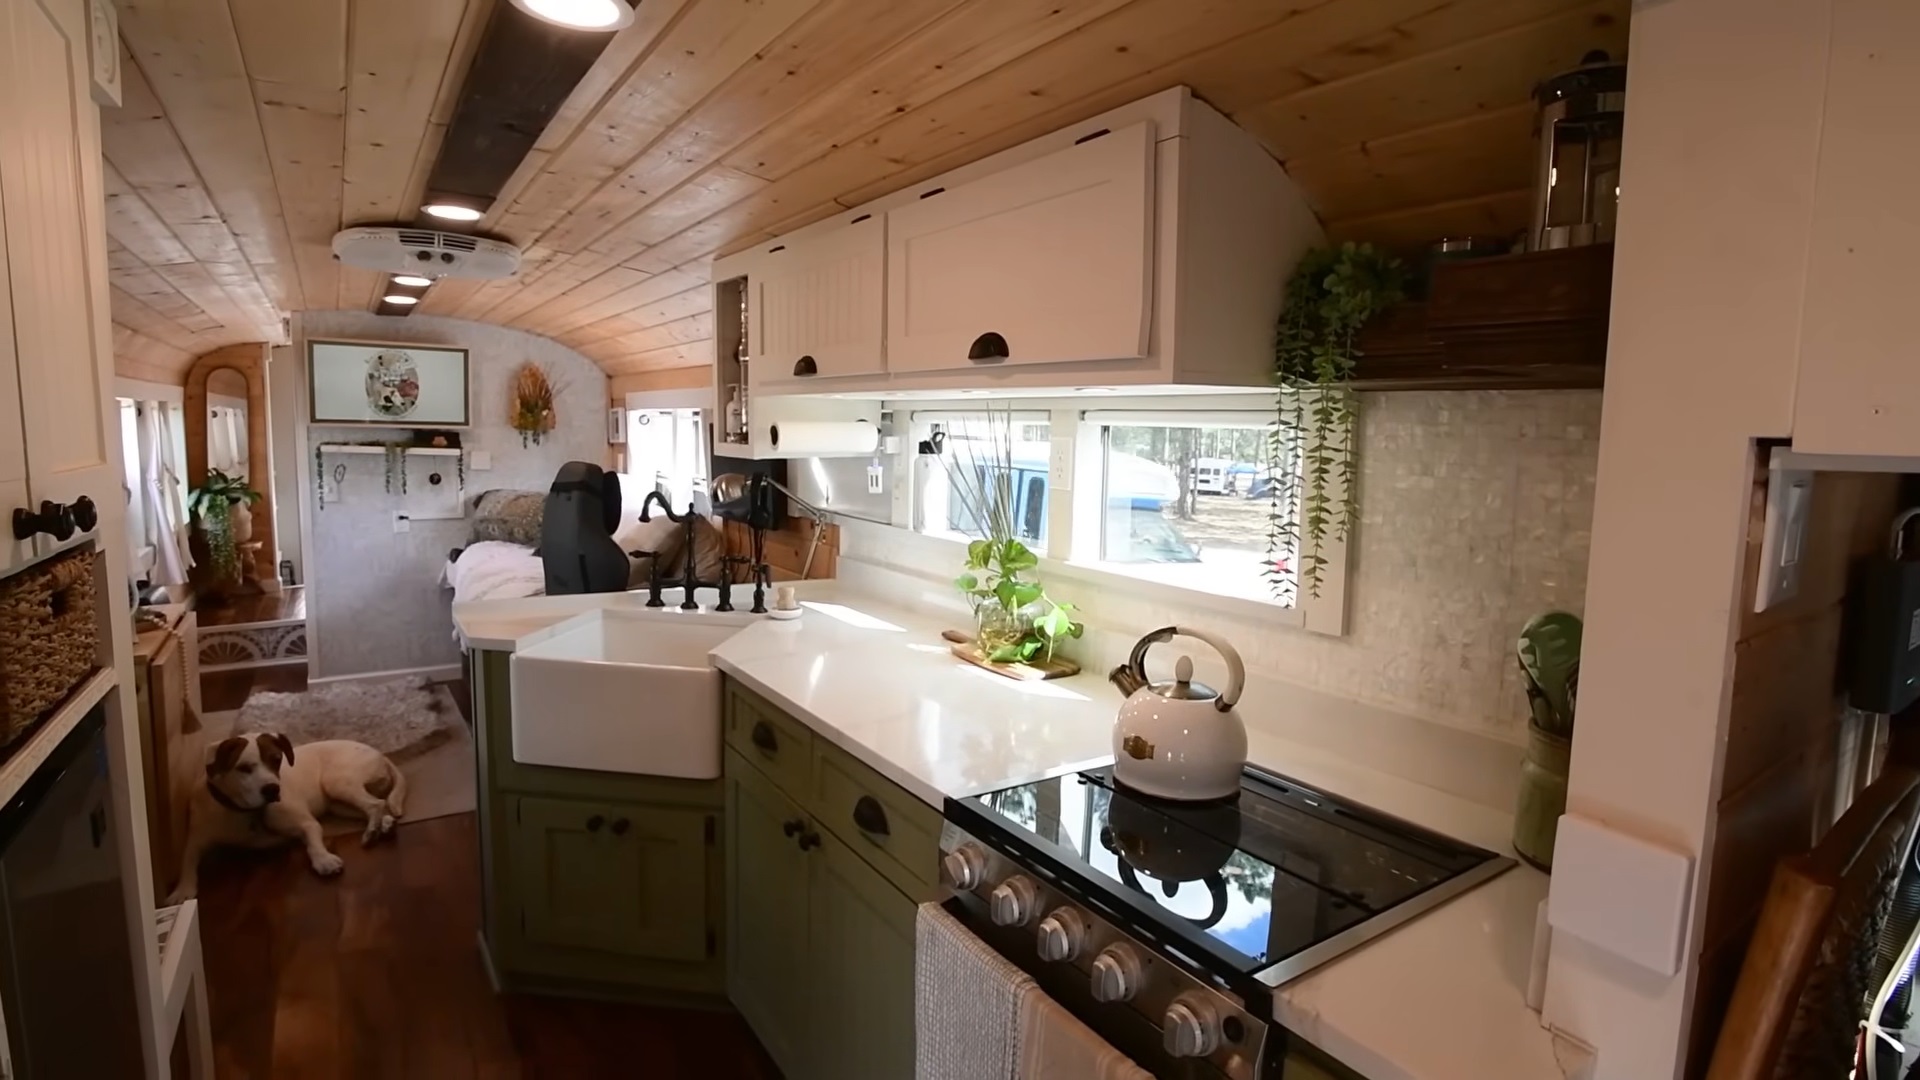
(1074,517)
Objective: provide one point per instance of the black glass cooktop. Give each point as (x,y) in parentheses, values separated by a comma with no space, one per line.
(1267,885)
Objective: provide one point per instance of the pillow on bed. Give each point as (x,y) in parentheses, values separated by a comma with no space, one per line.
(509,516)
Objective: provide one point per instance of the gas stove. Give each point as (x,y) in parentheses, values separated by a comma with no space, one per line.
(1170,923)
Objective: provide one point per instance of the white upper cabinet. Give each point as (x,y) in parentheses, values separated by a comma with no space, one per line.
(819,302)
(1859,381)
(51,212)
(1146,246)
(1046,262)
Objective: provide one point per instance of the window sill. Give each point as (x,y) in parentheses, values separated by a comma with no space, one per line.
(1322,616)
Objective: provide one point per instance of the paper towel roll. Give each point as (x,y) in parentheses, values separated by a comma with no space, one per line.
(825,437)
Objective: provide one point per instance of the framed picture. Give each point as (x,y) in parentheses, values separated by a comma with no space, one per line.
(617,426)
(382,383)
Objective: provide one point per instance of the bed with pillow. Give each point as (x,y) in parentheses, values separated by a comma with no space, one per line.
(501,560)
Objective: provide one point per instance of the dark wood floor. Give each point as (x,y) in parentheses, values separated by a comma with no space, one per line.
(288,603)
(221,691)
(376,974)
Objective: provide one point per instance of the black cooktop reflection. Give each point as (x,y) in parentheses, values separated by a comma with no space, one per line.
(1251,881)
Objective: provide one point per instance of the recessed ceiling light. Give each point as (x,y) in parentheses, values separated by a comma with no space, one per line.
(580,14)
(397,298)
(452,212)
(413,281)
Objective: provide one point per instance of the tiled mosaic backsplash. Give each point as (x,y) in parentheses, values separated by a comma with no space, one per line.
(1476,508)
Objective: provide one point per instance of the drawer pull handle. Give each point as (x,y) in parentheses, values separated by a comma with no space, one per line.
(53,519)
(620,826)
(764,739)
(809,841)
(595,822)
(989,348)
(85,514)
(792,828)
(870,815)
(806,365)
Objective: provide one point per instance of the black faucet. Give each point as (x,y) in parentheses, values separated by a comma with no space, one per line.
(690,579)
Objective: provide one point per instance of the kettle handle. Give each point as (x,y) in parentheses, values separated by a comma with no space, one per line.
(1236,668)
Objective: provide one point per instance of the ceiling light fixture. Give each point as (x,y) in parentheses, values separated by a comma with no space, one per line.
(412,281)
(402,300)
(452,212)
(580,14)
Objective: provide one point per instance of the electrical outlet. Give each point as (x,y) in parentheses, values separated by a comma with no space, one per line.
(876,478)
(402,523)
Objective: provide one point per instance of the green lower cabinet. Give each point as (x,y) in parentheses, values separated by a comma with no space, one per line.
(767,937)
(861,934)
(612,877)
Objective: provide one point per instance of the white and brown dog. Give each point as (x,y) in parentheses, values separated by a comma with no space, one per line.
(258,795)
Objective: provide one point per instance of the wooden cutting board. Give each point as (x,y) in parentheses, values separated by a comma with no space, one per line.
(1028,671)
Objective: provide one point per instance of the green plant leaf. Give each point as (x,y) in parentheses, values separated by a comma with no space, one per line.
(1006,654)
(979,552)
(1549,652)
(966,583)
(1016,557)
(1025,593)
(1003,591)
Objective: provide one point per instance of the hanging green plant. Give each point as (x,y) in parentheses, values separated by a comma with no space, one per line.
(1330,297)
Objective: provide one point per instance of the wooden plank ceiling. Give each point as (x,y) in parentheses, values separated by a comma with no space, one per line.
(254,129)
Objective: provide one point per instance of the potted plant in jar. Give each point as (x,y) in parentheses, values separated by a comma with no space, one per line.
(222,512)
(1015,621)
(1549,655)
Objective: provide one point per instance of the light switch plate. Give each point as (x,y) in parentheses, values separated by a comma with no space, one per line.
(402,523)
(1061,463)
(1783,544)
(1620,893)
(479,460)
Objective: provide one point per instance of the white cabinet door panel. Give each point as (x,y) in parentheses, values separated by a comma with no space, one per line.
(1055,256)
(822,297)
(47,182)
(13,437)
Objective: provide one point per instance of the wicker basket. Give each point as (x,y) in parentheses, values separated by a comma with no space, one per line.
(49,639)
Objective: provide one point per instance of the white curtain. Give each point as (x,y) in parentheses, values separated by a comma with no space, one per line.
(165,499)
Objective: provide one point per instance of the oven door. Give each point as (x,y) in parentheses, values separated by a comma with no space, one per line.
(1154,986)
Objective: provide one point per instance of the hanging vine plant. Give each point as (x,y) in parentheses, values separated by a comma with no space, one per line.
(1330,297)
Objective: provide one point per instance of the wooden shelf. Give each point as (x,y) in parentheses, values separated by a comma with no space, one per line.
(1534,321)
(411,451)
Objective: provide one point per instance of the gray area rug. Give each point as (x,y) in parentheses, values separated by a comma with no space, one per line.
(400,717)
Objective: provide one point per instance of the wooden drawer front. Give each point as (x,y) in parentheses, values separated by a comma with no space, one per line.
(780,745)
(896,832)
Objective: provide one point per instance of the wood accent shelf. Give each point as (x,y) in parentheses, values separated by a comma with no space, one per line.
(1533,321)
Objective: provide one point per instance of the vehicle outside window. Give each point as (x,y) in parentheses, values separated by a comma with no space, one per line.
(1190,505)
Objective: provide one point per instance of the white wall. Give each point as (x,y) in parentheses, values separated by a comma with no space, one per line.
(374,602)
(1724,111)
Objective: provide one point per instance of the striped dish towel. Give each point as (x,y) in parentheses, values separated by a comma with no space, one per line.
(966,1002)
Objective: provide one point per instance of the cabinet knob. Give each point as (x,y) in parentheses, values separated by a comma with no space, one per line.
(989,348)
(792,828)
(806,366)
(53,519)
(870,815)
(85,514)
(764,739)
(809,840)
(595,822)
(620,826)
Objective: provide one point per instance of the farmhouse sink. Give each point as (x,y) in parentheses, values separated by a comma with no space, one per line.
(622,692)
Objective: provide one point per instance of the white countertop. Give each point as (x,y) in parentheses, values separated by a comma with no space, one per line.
(1440,998)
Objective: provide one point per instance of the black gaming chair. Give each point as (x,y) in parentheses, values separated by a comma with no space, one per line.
(576,534)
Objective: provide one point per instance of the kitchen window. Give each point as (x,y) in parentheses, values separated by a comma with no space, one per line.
(1187,500)
(976,458)
(1167,498)
(667,449)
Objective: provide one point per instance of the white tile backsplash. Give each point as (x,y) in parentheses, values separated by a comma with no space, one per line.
(1476,509)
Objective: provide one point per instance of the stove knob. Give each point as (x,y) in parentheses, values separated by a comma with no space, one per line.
(1190,1029)
(1116,974)
(1011,902)
(963,866)
(1061,934)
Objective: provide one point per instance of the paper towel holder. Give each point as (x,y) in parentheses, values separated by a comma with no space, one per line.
(805,366)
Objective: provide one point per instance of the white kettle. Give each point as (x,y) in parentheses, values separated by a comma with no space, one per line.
(1179,740)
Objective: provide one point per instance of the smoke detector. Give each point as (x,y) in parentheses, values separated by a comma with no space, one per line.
(427,252)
